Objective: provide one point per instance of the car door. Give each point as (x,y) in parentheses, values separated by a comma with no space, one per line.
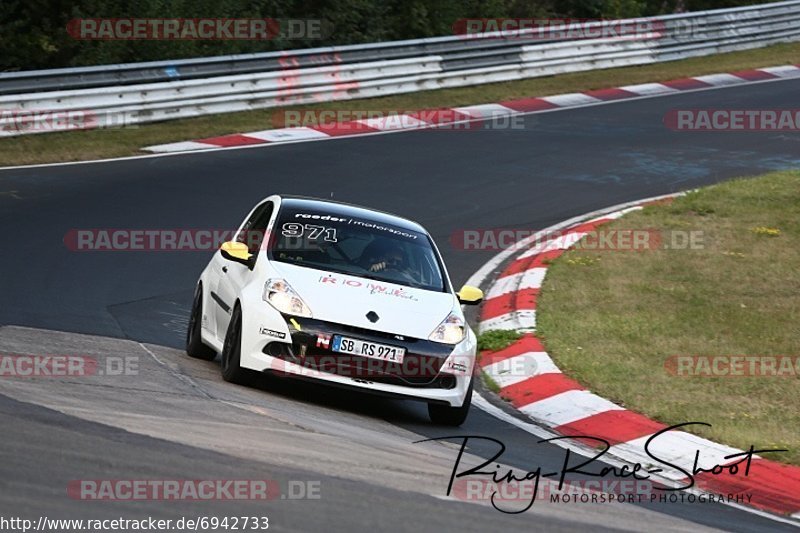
(232,275)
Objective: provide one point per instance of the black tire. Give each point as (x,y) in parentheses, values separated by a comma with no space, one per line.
(194,342)
(232,350)
(445,415)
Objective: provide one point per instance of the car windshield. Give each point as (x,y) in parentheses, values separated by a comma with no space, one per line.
(357,246)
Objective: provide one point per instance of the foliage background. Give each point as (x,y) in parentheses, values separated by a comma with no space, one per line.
(33,32)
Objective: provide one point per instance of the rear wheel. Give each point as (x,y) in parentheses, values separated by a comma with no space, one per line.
(194,342)
(446,415)
(232,350)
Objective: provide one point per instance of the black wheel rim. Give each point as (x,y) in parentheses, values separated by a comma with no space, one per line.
(226,354)
(190,332)
(231,338)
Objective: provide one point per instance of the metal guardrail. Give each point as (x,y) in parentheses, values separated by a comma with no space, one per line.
(155,91)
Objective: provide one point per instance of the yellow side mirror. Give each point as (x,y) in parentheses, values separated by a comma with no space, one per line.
(470,295)
(235,251)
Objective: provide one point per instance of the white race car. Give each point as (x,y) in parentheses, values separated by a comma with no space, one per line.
(338,294)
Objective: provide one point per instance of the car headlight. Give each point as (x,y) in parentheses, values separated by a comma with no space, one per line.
(280,295)
(450,331)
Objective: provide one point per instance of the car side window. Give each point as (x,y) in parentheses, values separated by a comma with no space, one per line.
(253,232)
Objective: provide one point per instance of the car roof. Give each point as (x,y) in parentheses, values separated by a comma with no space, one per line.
(342,209)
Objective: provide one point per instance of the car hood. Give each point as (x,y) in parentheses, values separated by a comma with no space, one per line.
(344,299)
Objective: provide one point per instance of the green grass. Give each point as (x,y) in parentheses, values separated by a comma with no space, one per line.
(83,145)
(612,320)
(490,383)
(497,339)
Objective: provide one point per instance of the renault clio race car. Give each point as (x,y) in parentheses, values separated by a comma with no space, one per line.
(337,294)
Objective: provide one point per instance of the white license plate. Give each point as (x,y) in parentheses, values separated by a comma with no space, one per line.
(373,350)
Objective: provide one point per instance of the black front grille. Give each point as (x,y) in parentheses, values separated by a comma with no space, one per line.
(420,368)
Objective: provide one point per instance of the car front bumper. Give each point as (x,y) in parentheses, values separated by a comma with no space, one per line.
(304,352)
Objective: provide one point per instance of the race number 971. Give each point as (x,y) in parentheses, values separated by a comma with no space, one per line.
(309,231)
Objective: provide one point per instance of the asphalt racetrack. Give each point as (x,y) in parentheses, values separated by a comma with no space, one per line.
(177,419)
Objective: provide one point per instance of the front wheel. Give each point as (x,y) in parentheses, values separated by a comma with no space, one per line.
(232,350)
(446,415)
(194,342)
